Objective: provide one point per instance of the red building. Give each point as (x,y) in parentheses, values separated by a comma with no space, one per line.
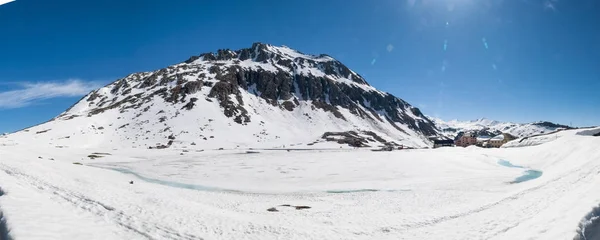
(466,140)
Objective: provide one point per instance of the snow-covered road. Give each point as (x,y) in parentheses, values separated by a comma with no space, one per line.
(454,193)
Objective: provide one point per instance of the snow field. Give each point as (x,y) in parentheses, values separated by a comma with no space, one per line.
(447,193)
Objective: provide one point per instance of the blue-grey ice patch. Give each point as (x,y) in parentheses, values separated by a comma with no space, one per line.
(508,164)
(352,191)
(164,182)
(529,174)
(365,190)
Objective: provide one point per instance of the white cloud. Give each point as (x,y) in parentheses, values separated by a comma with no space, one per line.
(390,48)
(30,93)
(550,5)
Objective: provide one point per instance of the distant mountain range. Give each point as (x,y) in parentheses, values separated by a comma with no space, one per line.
(484,126)
(262,96)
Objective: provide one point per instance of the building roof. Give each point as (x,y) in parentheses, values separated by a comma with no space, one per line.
(464,134)
(483,138)
(443,142)
(498,138)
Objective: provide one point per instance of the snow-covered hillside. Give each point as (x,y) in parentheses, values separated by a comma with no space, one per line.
(453,127)
(547,191)
(263,96)
(539,139)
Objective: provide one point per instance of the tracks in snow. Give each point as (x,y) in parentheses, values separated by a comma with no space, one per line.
(490,226)
(144,229)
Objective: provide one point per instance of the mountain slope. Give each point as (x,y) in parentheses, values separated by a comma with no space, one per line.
(492,127)
(263,96)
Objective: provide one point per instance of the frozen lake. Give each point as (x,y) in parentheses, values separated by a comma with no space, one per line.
(452,193)
(313,171)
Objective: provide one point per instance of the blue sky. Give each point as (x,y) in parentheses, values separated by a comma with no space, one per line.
(521,60)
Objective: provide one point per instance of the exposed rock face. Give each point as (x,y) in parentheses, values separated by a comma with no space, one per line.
(280,76)
(357,139)
(551,125)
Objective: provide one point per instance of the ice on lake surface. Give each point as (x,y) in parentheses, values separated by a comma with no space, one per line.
(163,182)
(529,174)
(178,173)
(366,190)
(508,164)
(453,193)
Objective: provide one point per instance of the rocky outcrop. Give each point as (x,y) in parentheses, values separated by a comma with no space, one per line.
(222,92)
(551,125)
(357,139)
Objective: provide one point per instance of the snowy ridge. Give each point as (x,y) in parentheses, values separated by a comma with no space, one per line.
(264,96)
(453,127)
(543,138)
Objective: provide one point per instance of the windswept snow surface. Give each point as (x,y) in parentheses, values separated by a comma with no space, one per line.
(447,193)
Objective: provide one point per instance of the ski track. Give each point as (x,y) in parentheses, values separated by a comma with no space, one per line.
(526,212)
(147,230)
(555,185)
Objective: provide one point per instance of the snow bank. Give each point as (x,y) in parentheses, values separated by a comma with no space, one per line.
(549,137)
(589,132)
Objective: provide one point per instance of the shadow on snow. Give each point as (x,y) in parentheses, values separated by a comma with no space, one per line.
(4,231)
(589,227)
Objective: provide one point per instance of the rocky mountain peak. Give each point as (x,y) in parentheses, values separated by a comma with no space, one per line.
(285,58)
(252,87)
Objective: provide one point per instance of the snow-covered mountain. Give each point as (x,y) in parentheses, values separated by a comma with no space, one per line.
(485,126)
(263,96)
